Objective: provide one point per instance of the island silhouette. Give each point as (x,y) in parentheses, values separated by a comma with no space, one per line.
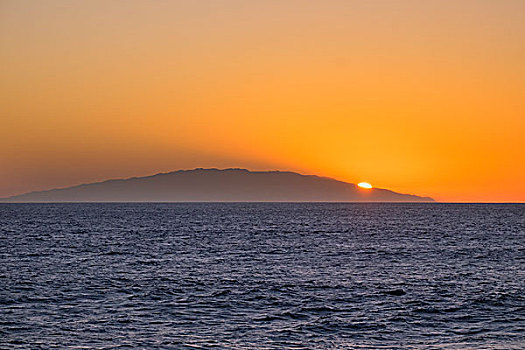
(219,185)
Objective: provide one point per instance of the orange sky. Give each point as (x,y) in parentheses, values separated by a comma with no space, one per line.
(424,97)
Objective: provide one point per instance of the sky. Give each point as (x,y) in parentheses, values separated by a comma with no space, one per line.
(421,97)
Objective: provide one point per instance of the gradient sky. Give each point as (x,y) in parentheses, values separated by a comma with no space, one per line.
(424,97)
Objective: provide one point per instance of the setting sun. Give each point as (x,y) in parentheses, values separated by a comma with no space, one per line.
(364,185)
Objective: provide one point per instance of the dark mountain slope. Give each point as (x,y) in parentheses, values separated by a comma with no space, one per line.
(214,185)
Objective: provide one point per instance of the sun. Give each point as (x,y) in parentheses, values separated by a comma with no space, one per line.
(364,185)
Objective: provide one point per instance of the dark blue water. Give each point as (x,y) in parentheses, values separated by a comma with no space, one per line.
(262,276)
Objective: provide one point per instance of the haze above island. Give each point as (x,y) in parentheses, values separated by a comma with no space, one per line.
(422,97)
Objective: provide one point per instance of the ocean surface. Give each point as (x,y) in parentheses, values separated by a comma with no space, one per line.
(262,276)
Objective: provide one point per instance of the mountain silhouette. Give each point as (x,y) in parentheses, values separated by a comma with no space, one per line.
(219,185)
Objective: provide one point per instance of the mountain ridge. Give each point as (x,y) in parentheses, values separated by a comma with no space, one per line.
(218,185)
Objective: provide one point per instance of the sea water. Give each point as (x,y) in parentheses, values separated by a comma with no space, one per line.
(262,276)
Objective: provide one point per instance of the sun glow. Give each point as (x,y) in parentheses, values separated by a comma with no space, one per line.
(364,185)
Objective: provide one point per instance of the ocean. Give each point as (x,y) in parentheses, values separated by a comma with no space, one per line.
(262,276)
